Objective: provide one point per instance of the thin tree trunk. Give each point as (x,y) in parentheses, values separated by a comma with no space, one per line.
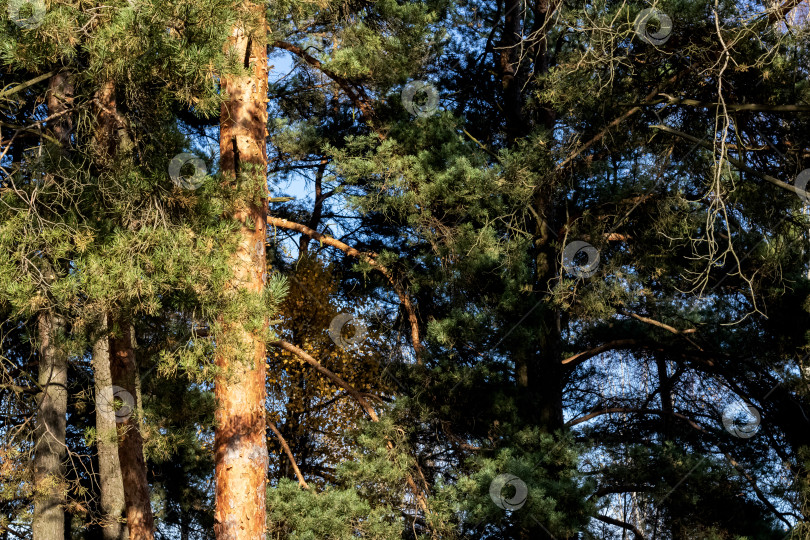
(105,141)
(109,467)
(50,447)
(665,389)
(124,370)
(123,365)
(50,450)
(317,210)
(508,69)
(240,444)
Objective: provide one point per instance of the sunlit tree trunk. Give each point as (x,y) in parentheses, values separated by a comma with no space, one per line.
(240,444)
(49,447)
(109,468)
(49,451)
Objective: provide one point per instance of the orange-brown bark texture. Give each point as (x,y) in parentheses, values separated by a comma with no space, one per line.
(240,444)
(123,365)
(124,371)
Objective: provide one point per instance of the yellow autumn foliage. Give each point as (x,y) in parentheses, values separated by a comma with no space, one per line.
(312,413)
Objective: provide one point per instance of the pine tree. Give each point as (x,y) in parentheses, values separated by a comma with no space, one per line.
(240,446)
(49,450)
(467,162)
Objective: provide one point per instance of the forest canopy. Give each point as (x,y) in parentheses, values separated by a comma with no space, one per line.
(381,269)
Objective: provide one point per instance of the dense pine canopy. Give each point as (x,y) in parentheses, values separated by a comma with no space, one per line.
(382,269)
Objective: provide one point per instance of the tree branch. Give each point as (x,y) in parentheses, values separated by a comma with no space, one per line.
(668,328)
(757,107)
(624,525)
(573,361)
(22,86)
(779,13)
(623,488)
(351,390)
(599,136)
(359,398)
(737,163)
(370,259)
(659,324)
(289,453)
(354,95)
(611,410)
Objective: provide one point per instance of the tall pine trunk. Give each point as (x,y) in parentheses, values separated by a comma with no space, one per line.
(109,467)
(50,450)
(240,443)
(123,366)
(49,447)
(124,370)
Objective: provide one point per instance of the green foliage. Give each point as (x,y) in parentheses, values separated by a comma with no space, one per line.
(602,394)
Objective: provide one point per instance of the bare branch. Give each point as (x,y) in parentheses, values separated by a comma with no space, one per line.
(580,357)
(289,453)
(624,525)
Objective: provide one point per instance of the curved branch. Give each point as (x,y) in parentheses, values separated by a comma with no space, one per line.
(667,327)
(369,258)
(637,534)
(745,474)
(289,453)
(659,324)
(737,163)
(590,353)
(357,97)
(611,410)
(351,390)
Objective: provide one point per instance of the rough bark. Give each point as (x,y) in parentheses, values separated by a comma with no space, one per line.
(508,69)
(124,370)
(240,444)
(50,449)
(109,467)
(60,100)
(106,141)
(123,365)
